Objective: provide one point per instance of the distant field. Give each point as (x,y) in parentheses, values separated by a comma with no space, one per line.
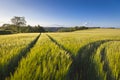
(92,54)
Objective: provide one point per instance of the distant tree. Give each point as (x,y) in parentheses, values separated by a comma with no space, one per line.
(17,28)
(5,25)
(76,27)
(18,21)
(41,29)
(83,27)
(30,29)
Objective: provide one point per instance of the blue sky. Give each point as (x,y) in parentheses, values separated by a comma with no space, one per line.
(104,13)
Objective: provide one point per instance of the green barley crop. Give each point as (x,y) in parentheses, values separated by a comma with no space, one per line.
(10,47)
(44,62)
(83,45)
(92,54)
(107,61)
(73,41)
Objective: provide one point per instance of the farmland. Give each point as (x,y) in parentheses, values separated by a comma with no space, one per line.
(92,54)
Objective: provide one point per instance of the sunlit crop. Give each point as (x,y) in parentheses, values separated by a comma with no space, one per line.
(92,54)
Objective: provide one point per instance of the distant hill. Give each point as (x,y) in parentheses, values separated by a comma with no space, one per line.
(67,29)
(52,29)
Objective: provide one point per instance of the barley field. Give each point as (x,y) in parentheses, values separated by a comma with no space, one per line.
(92,54)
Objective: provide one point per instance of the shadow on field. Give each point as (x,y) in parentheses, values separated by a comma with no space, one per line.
(14,62)
(106,67)
(82,67)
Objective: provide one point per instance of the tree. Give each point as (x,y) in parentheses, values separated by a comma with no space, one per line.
(18,21)
(41,29)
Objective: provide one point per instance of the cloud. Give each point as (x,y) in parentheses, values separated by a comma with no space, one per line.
(85,24)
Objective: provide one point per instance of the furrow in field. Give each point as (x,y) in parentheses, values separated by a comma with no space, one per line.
(45,61)
(13,64)
(107,60)
(80,63)
(61,46)
(83,67)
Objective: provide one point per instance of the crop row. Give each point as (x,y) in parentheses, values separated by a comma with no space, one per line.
(45,61)
(107,60)
(83,45)
(80,55)
(12,48)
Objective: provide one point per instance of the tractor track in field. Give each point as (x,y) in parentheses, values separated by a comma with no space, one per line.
(80,67)
(106,67)
(83,68)
(61,47)
(14,62)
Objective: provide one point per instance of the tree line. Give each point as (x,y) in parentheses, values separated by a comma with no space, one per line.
(70,29)
(22,29)
(19,26)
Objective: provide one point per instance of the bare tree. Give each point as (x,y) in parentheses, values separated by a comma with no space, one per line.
(19,21)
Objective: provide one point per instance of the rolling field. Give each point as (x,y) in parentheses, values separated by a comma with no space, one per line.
(92,54)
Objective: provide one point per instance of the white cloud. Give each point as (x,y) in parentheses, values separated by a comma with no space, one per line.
(85,24)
